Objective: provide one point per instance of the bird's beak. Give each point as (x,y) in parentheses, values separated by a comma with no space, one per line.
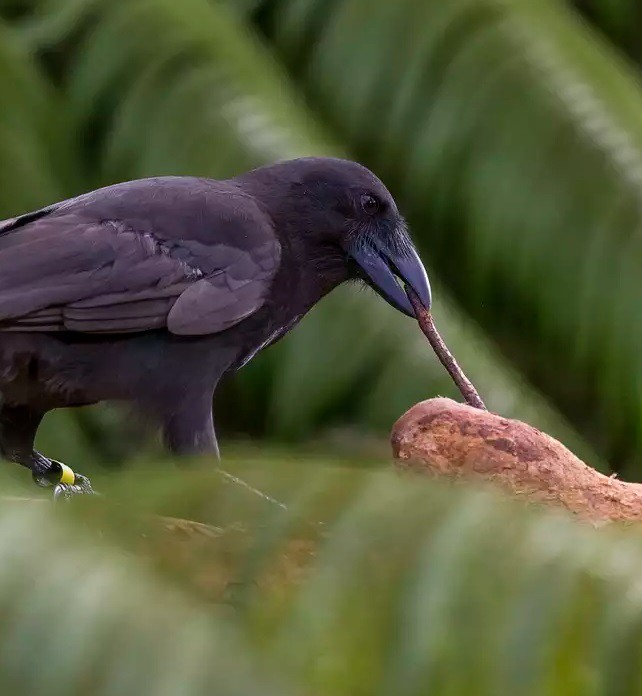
(385,269)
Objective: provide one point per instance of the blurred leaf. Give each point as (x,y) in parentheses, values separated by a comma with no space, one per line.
(91,620)
(354,350)
(620,20)
(35,160)
(192,91)
(406,586)
(511,136)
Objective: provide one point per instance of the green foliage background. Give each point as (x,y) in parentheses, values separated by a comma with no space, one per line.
(510,131)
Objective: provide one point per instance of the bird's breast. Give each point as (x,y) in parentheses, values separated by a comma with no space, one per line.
(274,335)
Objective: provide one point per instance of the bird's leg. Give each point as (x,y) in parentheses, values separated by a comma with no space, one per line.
(18,426)
(189,428)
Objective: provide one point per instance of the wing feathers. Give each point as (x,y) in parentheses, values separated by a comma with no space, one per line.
(203,306)
(170,291)
(60,272)
(126,310)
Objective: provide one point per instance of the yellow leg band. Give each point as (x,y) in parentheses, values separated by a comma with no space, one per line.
(66,474)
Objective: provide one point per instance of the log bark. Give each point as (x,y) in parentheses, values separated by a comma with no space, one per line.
(441,437)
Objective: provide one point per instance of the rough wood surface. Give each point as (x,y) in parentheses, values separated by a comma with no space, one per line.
(445,438)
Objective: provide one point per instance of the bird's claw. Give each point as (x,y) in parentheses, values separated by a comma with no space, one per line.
(66,491)
(65,482)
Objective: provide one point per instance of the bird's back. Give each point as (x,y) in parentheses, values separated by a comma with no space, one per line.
(170,206)
(193,255)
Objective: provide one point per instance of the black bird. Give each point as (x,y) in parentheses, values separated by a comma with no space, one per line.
(149,291)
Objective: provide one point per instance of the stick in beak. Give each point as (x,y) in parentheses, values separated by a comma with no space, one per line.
(424,318)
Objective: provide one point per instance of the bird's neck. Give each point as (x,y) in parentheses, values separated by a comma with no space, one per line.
(309,269)
(308,273)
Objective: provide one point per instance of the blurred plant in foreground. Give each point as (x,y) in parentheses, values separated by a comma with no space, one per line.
(366,584)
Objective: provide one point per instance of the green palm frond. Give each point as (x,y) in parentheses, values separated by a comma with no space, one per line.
(366,584)
(35,165)
(513,137)
(620,20)
(191,90)
(377,364)
(82,618)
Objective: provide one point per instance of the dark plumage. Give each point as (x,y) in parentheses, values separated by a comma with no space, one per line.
(149,291)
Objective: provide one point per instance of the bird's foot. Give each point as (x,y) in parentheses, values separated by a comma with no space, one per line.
(80,486)
(66,483)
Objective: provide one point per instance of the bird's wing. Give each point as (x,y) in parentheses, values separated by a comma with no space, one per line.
(62,272)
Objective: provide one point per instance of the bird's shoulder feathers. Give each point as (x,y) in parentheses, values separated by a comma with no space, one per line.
(190,255)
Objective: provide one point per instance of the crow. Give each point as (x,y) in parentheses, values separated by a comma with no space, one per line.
(148,291)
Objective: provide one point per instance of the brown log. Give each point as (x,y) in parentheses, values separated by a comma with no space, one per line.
(445,438)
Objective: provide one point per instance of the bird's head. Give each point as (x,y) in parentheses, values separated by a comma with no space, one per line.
(344,208)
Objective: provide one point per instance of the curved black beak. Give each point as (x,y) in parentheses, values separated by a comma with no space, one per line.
(384,269)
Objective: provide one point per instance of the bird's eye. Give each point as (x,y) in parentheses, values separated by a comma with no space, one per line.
(369,204)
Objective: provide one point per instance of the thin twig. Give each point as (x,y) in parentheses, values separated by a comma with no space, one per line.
(255,491)
(427,325)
